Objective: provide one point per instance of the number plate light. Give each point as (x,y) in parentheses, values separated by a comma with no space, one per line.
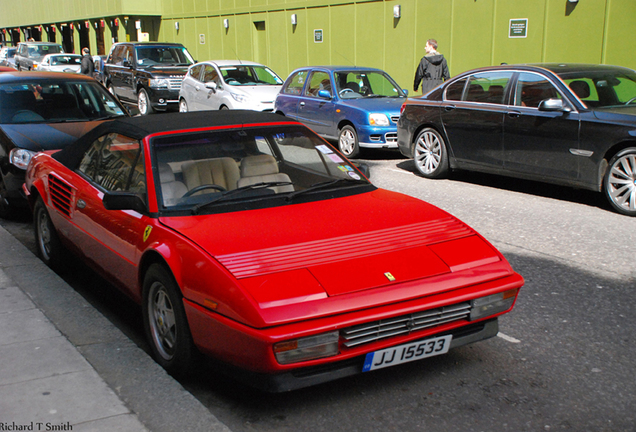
(493,304)
(309,348)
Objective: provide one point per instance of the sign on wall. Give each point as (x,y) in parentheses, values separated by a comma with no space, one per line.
(518,28)
(318,36)
(202,39)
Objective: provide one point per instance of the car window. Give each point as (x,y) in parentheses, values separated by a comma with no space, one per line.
(65,60)
(318,81)
(115,163)
(265,75)
(358,84)
(210,74)
(295,84)
(148,56)
(455,90)
(487,87)
(533,88)
(195,72)
(604,87)
(53,101)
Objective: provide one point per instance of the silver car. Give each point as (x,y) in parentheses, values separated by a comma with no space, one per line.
(71,63)
(229,84)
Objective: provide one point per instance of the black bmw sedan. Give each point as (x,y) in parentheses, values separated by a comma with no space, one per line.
(568,124)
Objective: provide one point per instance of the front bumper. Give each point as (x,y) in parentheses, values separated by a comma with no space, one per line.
(377,137)
(162,99)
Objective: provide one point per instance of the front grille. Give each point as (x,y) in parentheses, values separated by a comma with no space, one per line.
(61,195)
(395,118)
(175,82)
(405,324)
(391,137)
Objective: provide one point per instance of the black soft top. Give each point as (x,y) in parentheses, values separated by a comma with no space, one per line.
(140,127)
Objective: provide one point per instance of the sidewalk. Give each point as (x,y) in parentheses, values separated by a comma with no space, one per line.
(63,366)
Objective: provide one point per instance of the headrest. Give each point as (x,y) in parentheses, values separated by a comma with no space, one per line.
(580,88)
(165,173)
(258,165)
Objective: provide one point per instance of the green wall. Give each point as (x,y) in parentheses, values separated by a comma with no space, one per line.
(470,33)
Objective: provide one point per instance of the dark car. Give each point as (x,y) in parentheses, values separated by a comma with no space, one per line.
(357,106)
(222,225)
(29,54)
(147,74)
(568,124)
(44,111)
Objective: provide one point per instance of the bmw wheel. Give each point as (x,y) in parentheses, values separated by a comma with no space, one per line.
(348,142)
(165,321)
(183,105)
(619,183)
(48,244)
(430,154)
(143,103)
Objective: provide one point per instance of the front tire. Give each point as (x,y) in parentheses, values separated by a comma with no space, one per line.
(48,243)
(183,105)
(619,183)
(165,322)
(430,154)
(348,142)
(143,103)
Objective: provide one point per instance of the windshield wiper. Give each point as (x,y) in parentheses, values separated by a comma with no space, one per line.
(223,195)
(324,185)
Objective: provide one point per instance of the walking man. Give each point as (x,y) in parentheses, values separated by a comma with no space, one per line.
(432,70)
(88,67)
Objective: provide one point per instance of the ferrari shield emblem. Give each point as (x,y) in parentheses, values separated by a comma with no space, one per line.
(147,232)
(389,276)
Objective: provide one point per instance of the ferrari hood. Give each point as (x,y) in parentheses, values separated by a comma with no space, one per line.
(46,136)
(337,246)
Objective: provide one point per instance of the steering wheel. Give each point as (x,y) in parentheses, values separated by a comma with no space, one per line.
(231,81)
(203,187)
(345,91)
(631,100)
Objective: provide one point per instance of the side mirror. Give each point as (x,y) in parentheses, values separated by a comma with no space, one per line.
(553,104)
(211,85)
(325,94)
(405,92)
(126,63)
(124,201)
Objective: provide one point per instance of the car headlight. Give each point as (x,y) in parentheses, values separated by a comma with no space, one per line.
(241,98)
(20,157)
(378,120)
(492,304)
(158,83)
(309,348)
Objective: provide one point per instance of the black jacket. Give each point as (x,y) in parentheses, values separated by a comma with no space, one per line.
(88,67)
(432,71)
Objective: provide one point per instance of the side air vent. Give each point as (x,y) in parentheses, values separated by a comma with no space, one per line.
(61,195)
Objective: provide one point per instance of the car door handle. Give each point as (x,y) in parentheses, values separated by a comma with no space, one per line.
(449,107)
(197,88)
(514,114)
(302,104)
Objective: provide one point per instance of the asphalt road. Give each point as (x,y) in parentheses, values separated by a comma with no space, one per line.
(565,356)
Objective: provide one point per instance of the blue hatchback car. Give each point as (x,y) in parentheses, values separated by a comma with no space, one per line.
(359,107)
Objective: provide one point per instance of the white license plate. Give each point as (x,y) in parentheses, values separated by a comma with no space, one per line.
(407,353)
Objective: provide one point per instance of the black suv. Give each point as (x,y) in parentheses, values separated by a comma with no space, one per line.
(147,74)
(30,54)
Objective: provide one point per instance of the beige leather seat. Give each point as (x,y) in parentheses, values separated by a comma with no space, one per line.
(263,169)
(171,190)
(220,171)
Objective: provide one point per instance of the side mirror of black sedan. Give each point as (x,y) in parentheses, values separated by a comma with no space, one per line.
(124,201)
(553,104)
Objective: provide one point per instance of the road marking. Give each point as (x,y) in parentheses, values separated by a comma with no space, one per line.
(508,338)
(400,171)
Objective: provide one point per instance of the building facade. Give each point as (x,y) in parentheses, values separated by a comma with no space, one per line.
(387,34)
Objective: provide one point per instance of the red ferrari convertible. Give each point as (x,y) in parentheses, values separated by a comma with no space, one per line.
(246,237)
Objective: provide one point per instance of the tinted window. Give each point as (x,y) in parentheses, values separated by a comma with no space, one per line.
(488,87)
(533,88)
(210,74)
(195,71)
(162,55)
(455,90)
(115,163)
(295,83)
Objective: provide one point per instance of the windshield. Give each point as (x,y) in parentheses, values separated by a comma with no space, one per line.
(369,84)
(149,56)
(63,60)
(202,171)
(55,101)
(603,88)
(42,50)
(241,75)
